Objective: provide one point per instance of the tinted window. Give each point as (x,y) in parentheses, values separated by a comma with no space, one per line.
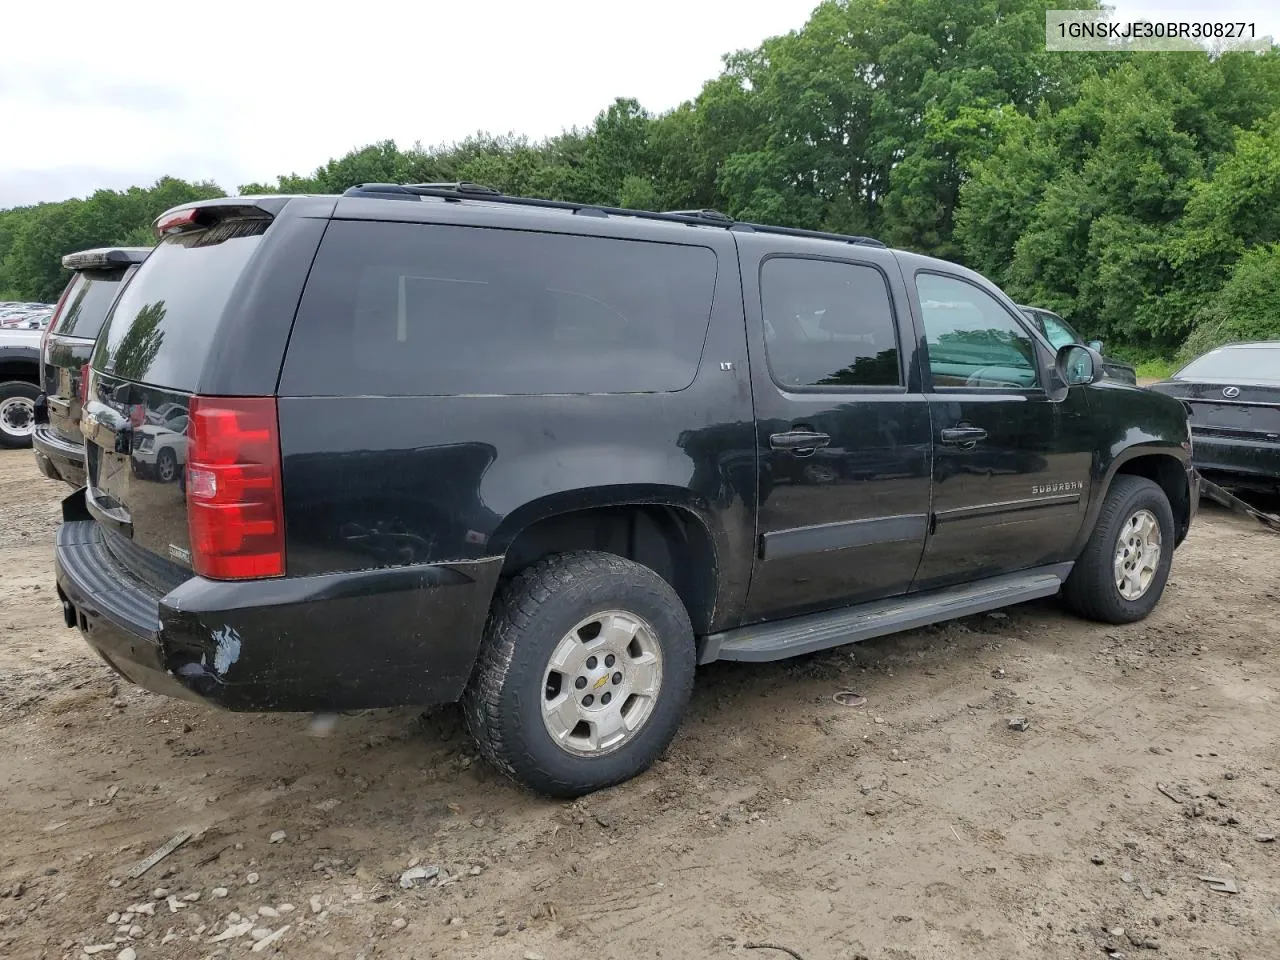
(88,302)
(161,327)
(402,309)
(973,340)
(1243,363)
(827,324)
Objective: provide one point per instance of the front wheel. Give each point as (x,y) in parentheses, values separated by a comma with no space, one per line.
(1121,575)
(17,413)
(584,673)
(166,465)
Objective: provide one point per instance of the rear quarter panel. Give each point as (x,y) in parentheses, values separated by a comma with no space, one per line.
(386,481)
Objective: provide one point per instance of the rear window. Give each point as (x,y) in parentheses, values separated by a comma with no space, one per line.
(401,309)
(87,303)
(1260,363)
(165,320)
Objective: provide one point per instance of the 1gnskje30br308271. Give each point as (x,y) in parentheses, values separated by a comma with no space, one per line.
(443,444)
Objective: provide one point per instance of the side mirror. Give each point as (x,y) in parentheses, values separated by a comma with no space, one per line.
(1095,345)
(1077,365)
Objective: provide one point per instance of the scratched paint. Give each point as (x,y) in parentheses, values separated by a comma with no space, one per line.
(227,652)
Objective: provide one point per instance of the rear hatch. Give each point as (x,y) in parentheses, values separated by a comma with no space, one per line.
(142,416)
(70,336)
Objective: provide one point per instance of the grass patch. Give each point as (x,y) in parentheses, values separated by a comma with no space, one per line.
(1155,369)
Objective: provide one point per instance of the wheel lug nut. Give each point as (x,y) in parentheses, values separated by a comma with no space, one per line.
(617,677)
(606,698)
(591,663)
(580,682)
(608,661)
(588,700)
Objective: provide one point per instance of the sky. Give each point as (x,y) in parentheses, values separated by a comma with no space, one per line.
(97,95)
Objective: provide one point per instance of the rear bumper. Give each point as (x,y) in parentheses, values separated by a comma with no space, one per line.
(58,459)
(1253,462)
(379,638)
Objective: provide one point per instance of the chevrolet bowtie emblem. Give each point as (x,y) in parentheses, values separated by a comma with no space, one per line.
(600,683)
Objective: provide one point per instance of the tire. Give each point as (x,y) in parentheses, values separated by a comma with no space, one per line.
(546,611)
(166,465)
(17,413)
(1093,590)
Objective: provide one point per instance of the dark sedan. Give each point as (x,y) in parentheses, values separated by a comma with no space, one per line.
(1234,396)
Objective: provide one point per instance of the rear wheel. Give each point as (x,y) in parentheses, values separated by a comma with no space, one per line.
(17,413)
(1123,570)
(584,674)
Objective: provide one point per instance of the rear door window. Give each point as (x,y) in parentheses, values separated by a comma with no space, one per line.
(87,303)
(161,328)
(828,324)
(403,309)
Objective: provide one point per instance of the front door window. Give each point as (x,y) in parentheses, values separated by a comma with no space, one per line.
(973,341)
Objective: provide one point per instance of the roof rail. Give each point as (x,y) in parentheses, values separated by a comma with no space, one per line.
(474,191)
(744,227)
(711,216)
(460,187)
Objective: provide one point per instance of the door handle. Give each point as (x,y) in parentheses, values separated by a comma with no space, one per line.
(799,442)
(963,435)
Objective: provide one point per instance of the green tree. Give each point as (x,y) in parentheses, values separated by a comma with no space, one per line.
(43,235)
(869,118)
(1086,210)
(1247,308)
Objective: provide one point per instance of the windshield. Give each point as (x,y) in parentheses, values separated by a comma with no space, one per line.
(1259,363)
(161,328)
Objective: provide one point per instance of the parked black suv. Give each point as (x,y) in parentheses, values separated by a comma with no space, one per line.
(544,458)
(98,276)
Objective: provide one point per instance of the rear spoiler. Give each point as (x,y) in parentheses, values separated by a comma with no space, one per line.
(205,213)
(105,258)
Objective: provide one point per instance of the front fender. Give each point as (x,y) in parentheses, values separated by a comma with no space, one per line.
(10,352)
(1134,424)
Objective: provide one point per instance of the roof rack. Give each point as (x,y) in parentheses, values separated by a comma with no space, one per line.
(474,191)
(710,216)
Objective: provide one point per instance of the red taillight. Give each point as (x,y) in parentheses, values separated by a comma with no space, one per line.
(84,384)
(235,503)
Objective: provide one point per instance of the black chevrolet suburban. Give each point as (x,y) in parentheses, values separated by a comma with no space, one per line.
(97,277)
(443,444)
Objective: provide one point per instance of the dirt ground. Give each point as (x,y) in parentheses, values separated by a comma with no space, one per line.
(918,826)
